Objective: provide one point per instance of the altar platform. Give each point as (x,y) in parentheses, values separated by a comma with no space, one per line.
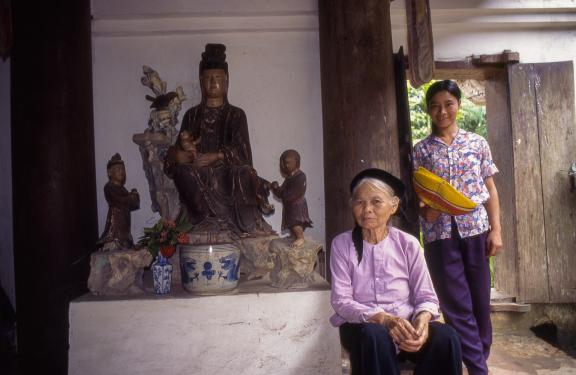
(255,329)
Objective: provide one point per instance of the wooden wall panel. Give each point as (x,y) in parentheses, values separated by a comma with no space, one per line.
(500,139)
(554,88)
(532,257)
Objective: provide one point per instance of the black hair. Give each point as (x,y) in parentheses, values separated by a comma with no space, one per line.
(445,85)
(358,241)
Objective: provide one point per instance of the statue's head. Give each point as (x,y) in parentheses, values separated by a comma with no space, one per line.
(289,162)
(214,71)
(116,170)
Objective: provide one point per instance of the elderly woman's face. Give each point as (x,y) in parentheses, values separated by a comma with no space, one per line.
(372,207)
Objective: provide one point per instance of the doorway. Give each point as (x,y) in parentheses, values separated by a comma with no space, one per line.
(531,130)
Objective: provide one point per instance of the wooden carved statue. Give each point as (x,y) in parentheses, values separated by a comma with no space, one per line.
(211,162)
(159,135)
(295,209)
(121,202)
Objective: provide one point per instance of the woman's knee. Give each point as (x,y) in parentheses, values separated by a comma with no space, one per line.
(445,335)
(375,332)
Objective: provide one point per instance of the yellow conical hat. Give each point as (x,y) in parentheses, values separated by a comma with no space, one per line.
(439,194)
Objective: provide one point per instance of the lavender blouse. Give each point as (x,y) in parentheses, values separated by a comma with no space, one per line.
(392,277)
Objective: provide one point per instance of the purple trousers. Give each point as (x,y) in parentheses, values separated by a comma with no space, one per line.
(460,272)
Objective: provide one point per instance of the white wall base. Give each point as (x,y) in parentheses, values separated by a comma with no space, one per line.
(282,332)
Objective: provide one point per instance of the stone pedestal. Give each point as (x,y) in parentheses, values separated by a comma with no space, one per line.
(294,267)
(256,330)
(256,260)
(118,272)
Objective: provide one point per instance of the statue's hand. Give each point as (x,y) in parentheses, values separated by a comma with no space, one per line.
(184,157)
(204,160)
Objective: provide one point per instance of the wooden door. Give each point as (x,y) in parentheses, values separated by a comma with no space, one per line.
(500,140)
(543,147)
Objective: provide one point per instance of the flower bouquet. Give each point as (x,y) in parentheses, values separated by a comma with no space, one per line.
(161,240)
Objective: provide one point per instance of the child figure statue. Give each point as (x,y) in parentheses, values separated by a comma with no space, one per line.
(295,209)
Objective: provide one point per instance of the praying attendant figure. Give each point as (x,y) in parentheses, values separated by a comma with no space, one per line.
(295,209)
(121,202)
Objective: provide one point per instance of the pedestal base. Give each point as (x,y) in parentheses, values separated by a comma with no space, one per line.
(256,330)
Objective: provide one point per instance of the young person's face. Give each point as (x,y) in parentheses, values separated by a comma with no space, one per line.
(443,109)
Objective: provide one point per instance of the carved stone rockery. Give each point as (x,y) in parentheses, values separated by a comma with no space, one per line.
(294,266)
(118,272)
(160,134)
(256,260)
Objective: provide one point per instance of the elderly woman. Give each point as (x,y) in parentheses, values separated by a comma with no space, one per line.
(382,294)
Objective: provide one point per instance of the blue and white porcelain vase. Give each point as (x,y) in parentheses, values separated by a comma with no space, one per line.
(209,269)
(162,273)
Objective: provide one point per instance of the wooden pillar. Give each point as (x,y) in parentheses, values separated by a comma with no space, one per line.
(54,192)
(358,99)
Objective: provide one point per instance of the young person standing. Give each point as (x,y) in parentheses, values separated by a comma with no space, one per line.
(457,248)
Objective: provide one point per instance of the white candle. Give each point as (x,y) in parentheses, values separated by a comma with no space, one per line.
(210,250)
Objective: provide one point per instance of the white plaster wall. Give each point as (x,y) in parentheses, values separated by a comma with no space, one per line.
(540,30)
(273,57)
(6,228)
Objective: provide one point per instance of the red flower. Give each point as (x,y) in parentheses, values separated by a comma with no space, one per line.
(167,251)
(183,238)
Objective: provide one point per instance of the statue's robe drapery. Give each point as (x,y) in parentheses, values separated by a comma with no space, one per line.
(118,225)
(230,191)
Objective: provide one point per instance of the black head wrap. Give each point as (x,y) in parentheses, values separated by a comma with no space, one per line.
(396,184)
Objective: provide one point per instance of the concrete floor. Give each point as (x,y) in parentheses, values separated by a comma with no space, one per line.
(524,353)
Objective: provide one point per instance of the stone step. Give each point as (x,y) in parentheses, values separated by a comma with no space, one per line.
(501,302)
(509,307)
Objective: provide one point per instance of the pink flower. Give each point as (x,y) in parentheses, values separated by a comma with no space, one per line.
(163,236)
(169,224)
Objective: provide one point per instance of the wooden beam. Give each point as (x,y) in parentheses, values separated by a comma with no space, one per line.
(420,41)
(358,99)
(54,181)
(504,58)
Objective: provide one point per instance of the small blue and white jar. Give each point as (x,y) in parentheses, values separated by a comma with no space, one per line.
(209,269)
(162,273)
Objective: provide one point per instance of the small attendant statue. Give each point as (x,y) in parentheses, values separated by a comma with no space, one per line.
(295,209)
(117,234)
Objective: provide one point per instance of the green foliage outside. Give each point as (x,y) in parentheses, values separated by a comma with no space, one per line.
(471,117)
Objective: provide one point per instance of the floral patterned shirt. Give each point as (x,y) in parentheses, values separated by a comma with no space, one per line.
(464,164)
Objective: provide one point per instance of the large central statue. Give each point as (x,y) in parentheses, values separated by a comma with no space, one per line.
(211,162)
